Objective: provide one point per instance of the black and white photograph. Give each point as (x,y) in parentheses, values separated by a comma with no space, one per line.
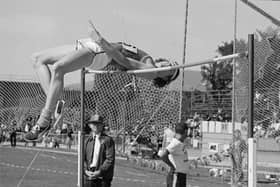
(150,93)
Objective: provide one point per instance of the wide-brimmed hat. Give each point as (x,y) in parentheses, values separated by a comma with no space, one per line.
(95,119)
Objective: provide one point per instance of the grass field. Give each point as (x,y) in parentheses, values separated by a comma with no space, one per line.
(25,167)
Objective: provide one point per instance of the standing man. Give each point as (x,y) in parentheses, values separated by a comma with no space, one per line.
(175,156)
(69,138)
(237,153)
(99,155)
(13,133)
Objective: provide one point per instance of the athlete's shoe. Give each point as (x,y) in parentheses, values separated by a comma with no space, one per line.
(37,133)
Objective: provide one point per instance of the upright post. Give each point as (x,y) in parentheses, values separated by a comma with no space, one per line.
(184,57)
(233,112)
(81,134)
(252,177)
(79,158)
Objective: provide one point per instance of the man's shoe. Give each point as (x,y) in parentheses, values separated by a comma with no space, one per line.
(37,133)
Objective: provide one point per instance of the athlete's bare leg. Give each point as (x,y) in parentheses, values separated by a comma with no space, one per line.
(51,67)
(43,59)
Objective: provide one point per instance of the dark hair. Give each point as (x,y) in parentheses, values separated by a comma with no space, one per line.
(181,128)
(160,82)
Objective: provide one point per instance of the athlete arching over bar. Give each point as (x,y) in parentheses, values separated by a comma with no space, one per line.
(51,65)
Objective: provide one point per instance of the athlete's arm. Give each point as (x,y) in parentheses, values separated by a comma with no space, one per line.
(111,51)
(129,63)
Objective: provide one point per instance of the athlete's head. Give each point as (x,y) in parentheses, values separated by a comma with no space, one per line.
(182,129)
(165,77)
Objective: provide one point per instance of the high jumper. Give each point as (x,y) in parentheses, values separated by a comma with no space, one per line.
(52,64)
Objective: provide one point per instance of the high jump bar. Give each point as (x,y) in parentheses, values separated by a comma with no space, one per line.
(208,61)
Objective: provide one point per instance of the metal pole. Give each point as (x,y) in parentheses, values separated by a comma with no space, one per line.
(79,158)
(185,33)
(252,176)
(184,58)
(81,150)
(251,85)
(233,112)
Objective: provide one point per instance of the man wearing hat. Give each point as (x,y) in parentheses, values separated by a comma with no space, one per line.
(99,155)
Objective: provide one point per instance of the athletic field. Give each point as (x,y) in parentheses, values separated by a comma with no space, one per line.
(33,167)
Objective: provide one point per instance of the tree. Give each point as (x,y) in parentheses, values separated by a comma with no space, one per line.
(217,77)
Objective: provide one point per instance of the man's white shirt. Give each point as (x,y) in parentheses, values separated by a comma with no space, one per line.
(96,151)
(177,155)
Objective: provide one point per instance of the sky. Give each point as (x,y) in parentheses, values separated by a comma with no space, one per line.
(157,26)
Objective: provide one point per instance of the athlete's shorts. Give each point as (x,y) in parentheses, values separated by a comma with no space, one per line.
(101,59)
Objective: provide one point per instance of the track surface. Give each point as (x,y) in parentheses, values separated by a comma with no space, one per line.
(25,167)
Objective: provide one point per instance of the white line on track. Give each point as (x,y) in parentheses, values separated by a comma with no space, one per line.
(135,173)
(58,158)
(38,169)
(27,169)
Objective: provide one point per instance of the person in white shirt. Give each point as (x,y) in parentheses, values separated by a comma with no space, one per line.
(174,155)
(168,135)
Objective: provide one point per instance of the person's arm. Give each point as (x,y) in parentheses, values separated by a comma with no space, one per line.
(129,63)
(114,53)
(85,153)
(110,156)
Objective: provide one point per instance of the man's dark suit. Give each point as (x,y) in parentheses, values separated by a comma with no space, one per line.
(106,160)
